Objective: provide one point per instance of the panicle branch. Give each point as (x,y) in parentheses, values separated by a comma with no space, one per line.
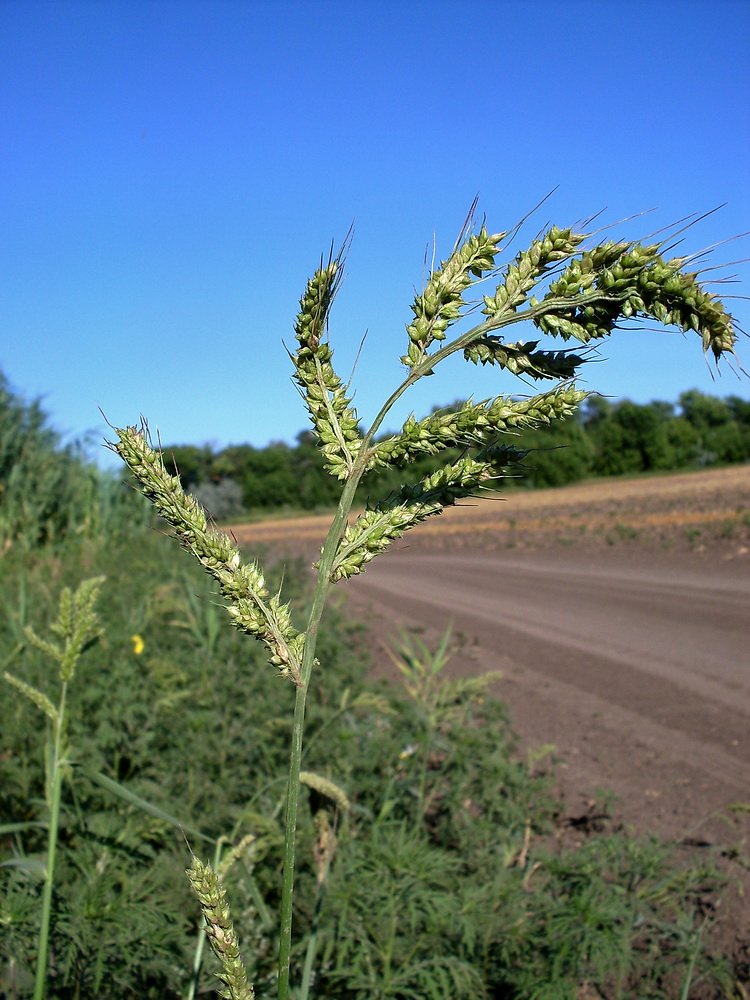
(331,412)
(473,424)
(250,608)
(37,698)
(621,280)
(378,526)
(440,303)
(528,269)
(524,359)
(220,931)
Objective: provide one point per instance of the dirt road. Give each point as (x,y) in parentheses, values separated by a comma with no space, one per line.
(635,664)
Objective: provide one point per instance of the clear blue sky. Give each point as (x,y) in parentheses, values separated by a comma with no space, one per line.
(171,171)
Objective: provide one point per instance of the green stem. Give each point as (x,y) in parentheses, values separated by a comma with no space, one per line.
(312,946)
(422,792)
(53,801)
(320,594)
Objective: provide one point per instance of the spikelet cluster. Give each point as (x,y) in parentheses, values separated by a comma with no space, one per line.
(528,268)
(621,280)
(77,626)
(523,359)
(324,786)
(331,412)
(325,845)
(440,303)
(37,698)
(473,423)
(250,607)
(220,931)
(378,526)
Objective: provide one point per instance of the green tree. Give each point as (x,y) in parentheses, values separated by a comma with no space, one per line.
(684,441)
(740,410)
(560,454)
(721,438)
(632,438)
(704,412)
(192,463)
(266,477)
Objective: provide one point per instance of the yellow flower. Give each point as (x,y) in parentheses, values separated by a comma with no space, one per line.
(138,644)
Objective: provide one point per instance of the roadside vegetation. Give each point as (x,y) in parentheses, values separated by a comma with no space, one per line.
(50,492)
(413,853)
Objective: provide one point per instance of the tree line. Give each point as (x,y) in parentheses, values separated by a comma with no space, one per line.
(603,439)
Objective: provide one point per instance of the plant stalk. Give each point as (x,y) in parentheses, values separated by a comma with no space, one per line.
(320,594)
(53,801)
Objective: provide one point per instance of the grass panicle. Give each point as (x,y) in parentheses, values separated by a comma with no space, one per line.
(580,292)
(251,609)
(77,628)
(220,932)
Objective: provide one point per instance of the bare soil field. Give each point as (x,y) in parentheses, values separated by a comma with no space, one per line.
(683,512)
(619,614)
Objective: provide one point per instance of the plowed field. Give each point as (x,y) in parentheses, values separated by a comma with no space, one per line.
(689,511)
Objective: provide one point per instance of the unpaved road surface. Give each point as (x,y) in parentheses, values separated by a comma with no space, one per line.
(634,663)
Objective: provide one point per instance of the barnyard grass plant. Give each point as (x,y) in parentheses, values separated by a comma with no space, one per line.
(76,629)
(567,284)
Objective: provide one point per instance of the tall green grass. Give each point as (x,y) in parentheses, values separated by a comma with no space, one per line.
(50,492)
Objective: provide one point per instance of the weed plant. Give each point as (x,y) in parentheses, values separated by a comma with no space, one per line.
(398,831)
